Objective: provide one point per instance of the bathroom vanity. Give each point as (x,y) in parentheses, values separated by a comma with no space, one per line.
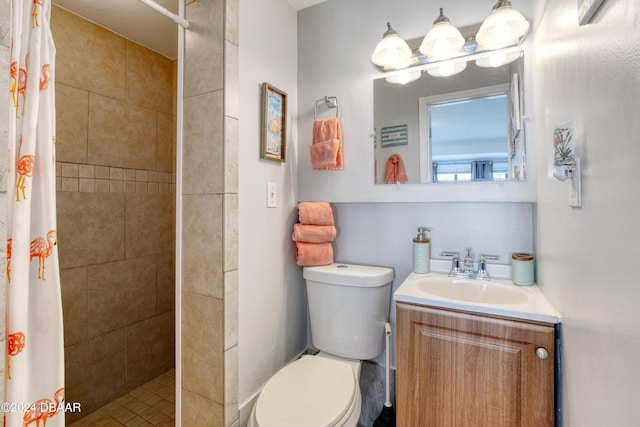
(473,353)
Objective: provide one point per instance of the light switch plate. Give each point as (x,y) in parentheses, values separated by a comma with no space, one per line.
(272,194)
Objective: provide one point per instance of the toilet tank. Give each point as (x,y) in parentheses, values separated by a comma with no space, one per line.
(348,308)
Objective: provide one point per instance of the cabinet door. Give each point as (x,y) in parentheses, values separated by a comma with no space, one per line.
(459,369)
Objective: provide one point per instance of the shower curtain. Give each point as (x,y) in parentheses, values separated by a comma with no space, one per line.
(34,383)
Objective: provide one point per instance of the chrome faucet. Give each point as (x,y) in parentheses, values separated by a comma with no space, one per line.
(467,269)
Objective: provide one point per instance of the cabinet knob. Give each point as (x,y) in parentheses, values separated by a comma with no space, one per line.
(542,353)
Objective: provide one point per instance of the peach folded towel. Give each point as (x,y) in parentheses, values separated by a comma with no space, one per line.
(326,145)
(313,233)
(395,170)
(316,213)
(311,254)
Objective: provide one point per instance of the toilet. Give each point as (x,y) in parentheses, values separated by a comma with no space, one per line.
(348,308)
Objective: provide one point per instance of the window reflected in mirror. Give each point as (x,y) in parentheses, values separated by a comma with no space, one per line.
(468,137)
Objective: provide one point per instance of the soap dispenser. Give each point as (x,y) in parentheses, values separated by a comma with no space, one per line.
(421,251)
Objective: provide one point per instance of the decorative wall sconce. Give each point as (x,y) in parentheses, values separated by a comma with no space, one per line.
(564,172)
(565,165)
(445,50)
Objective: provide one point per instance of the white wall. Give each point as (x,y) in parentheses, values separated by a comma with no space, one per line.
(272,300)
(587,258)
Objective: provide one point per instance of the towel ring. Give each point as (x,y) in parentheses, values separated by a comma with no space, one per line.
(330,102)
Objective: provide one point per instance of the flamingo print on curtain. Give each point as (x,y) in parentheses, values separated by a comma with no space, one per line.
(34,383)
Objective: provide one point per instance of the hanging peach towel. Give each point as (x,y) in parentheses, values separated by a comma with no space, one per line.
(316,213)
(312,254)
(326,146)
(395,170)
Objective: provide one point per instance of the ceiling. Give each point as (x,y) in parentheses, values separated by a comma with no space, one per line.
(138,22)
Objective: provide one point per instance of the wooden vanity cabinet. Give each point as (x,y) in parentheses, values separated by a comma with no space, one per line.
(458,369)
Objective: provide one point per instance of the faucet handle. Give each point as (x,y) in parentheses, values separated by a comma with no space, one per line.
(490,257)
(452,254)
(455,266)
(482,272)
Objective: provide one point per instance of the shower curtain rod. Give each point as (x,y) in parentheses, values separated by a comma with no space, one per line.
(175,18)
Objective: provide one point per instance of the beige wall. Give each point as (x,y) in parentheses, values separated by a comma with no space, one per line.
(116,221)
(210,206)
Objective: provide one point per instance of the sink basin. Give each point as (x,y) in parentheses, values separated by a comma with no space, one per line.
(498,297)
(481,291)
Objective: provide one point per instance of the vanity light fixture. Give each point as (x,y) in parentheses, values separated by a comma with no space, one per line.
(443,40)
(391,50)
(505,26)
(445,49)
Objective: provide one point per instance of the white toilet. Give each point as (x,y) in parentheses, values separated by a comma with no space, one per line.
(348,307)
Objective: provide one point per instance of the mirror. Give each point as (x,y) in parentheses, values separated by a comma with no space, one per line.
(460,128)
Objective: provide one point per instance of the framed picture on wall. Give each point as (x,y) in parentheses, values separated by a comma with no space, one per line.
(273,129)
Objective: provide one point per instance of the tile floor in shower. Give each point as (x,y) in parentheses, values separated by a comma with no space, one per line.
(150,405)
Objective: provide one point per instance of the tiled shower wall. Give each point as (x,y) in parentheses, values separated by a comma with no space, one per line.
(210,216)
(116,215)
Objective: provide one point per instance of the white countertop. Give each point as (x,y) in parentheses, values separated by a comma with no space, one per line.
(533,306)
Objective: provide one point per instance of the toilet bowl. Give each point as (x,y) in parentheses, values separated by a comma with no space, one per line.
(348,307)
(313,391)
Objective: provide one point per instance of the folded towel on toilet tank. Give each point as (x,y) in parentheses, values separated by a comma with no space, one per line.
(313,233)
(313,254)
(315,213)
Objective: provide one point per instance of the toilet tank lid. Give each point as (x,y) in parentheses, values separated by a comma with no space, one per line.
(349,274)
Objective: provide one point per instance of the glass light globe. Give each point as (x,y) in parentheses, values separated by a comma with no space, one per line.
(497,59)
(404,77)
(443,40)
(503,27)
(391,50)
(447,69)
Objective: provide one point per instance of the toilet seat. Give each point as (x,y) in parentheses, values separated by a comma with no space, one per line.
(312,391)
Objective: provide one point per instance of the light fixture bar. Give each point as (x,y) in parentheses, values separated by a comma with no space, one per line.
(454,60)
